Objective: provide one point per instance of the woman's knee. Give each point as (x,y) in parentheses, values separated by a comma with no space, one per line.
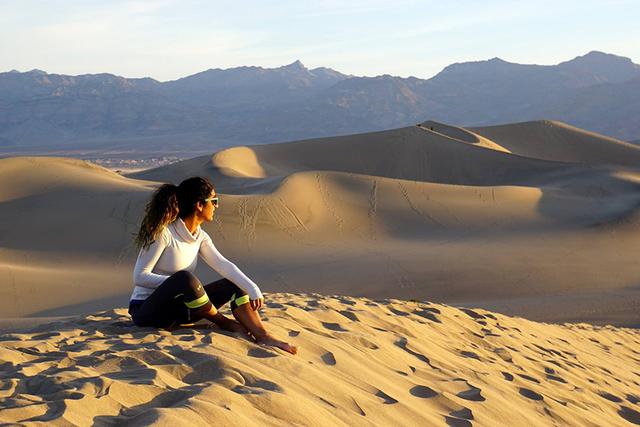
(189,280)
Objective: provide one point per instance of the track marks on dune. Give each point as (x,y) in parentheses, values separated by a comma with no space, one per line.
(329,202)
(414,208)
(293,214)
(373,206)
(248,219)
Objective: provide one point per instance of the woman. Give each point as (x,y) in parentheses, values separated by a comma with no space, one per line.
(166,292)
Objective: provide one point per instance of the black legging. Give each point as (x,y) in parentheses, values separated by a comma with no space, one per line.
(181,298)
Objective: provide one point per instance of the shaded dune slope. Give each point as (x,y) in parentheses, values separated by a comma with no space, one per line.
(446,155)
(553,140)
(45,195)
(65,237)
(429,159)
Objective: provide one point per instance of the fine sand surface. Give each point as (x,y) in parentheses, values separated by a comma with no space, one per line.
(362,362)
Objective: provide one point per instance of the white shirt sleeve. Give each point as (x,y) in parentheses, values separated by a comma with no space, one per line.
(227,269)
(143,274)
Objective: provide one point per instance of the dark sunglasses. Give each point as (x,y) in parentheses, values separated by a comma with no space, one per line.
(213,200)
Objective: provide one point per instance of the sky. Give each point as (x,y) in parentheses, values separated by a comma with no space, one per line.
(170,39)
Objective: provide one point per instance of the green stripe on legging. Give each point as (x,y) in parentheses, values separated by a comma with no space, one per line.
(242,300)
(198,302)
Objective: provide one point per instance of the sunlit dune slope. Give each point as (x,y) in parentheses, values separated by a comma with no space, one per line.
(362,361)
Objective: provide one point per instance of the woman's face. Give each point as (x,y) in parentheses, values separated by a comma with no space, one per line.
(208,208)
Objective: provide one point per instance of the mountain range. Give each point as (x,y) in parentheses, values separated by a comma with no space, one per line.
(217,108)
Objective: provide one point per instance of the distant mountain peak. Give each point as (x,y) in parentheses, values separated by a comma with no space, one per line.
(603,67)
(296,65)
(597,57)
(473,67)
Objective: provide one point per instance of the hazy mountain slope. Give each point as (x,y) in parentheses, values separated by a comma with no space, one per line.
(248,105)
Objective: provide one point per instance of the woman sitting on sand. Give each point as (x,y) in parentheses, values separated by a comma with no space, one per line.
(166,292)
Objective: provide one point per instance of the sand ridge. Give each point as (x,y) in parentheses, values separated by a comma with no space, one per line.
(366,361)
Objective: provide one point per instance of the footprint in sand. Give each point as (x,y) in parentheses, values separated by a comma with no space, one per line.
(528,378)
(503,354)
(398,312)
(260,353)
(257,387)
(457,422)
(334,327)
(464,413)
(313,303)
(556,378)
(630,415)
(360,342)
(294,333)
(470,354)
(530,394)
(428,314)
(402,342)
(349,315)
(275,305)
(489,333)
(507,376)
(609,396)
(346,301)
(386,399)
(422,391)
(472,314)
(633,399)
(328,358)
(473,394)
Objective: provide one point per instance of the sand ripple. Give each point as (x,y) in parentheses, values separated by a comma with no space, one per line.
(383,362)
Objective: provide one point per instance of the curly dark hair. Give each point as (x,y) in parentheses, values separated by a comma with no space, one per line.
(167,204)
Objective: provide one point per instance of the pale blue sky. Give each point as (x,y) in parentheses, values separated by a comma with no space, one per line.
(169,39)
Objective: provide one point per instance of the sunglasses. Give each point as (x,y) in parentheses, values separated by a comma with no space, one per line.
(213,200)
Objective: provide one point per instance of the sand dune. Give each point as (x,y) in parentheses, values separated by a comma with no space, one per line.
(65,234)
(538,220)
(362,362)
(408,153)
(429,212)
(553,140)
(500,221)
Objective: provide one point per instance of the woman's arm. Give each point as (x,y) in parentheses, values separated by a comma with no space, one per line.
(147,259)
(227,269)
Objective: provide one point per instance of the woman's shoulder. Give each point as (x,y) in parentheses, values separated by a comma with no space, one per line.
(204,236)
(165,233)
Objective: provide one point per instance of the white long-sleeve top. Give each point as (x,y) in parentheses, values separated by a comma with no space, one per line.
(177,249)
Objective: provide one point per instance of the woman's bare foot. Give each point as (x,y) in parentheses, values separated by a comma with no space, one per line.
(229,325)
(273,342)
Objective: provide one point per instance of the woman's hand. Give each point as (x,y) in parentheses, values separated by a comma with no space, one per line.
(256,303)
